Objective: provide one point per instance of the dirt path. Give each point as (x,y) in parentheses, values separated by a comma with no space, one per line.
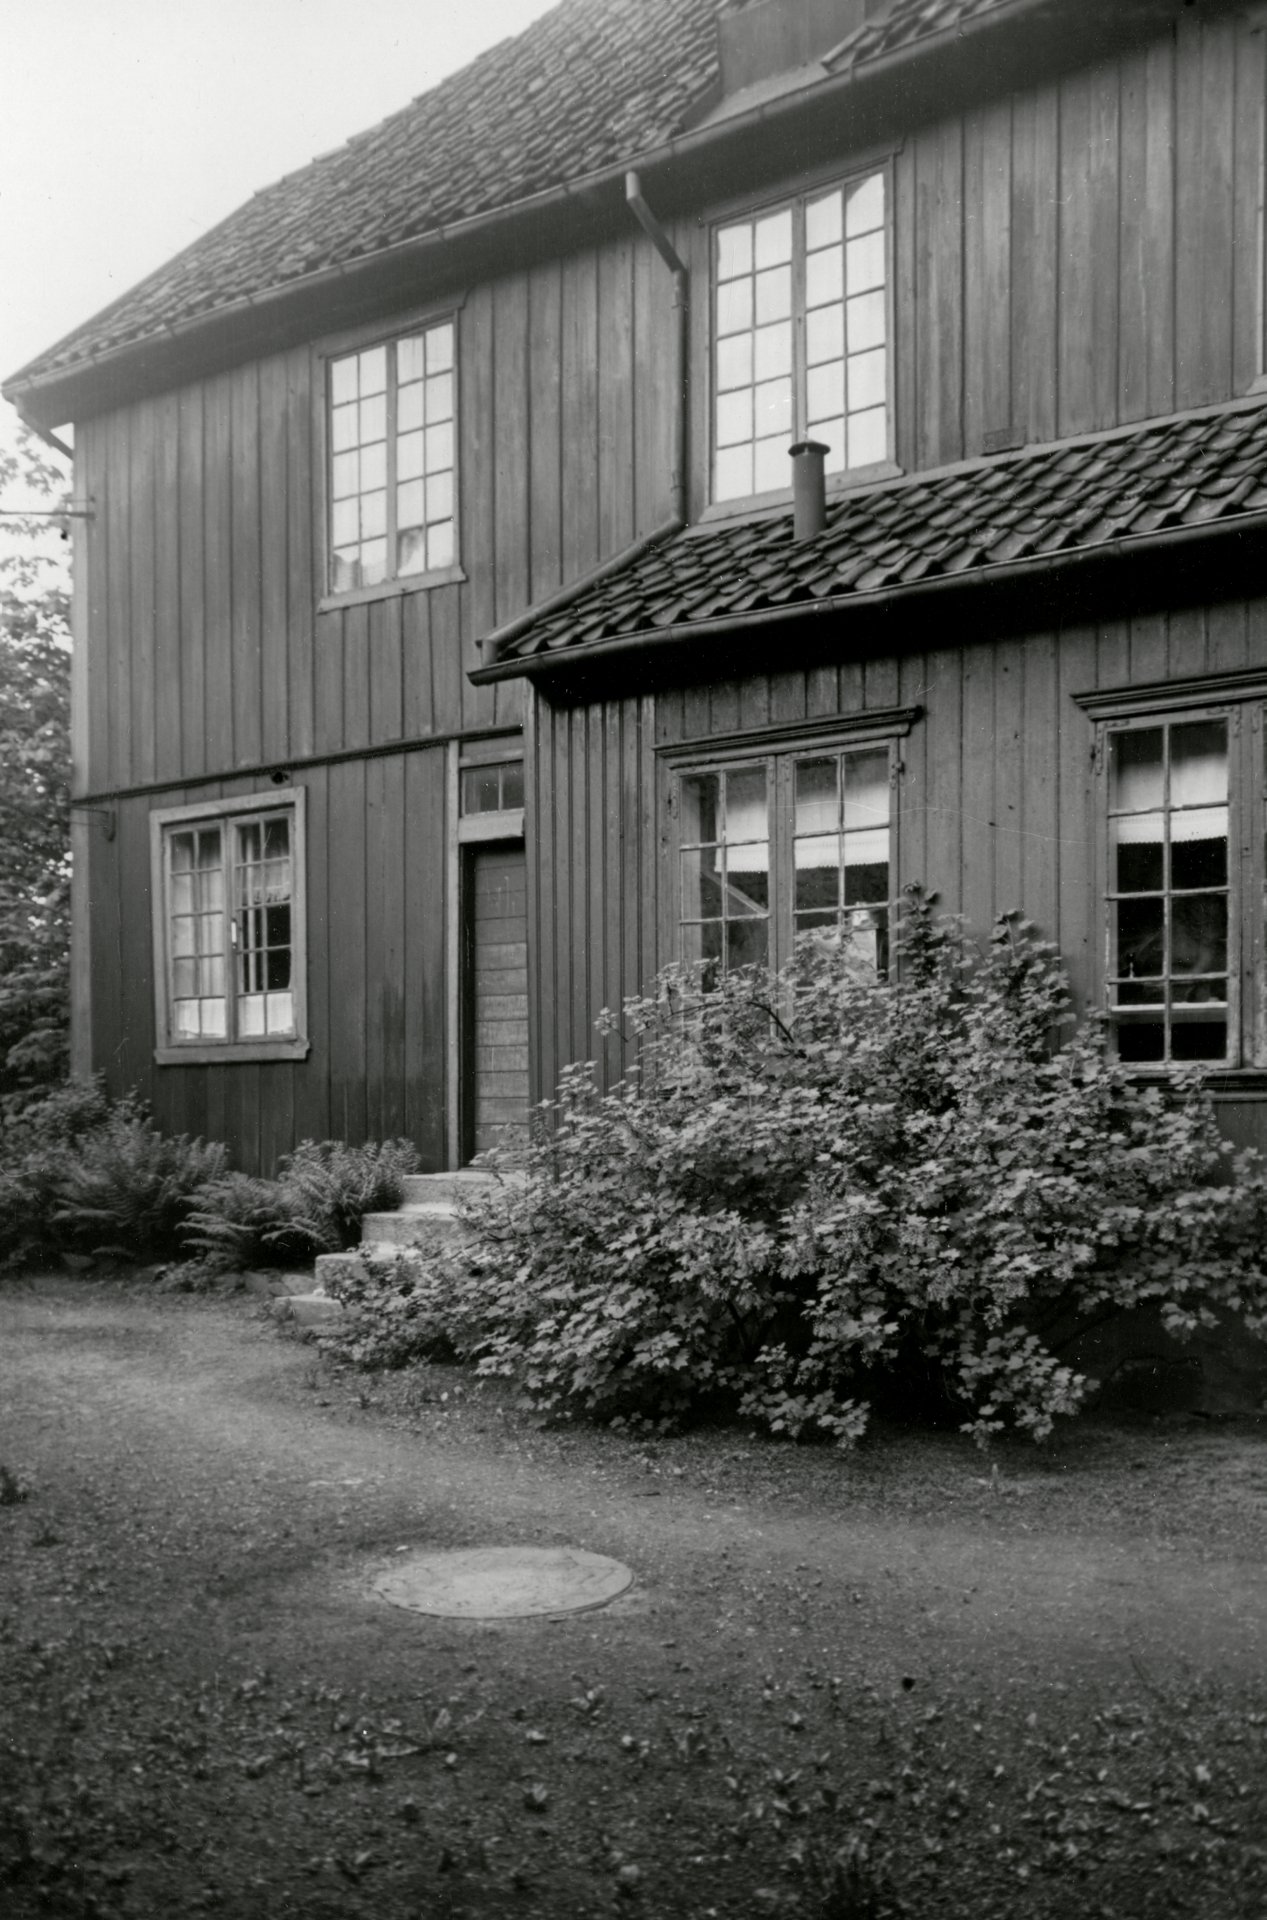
(204,1708)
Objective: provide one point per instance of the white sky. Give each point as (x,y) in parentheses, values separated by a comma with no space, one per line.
(128,127)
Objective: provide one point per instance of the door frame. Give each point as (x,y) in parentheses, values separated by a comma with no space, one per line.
(467,831)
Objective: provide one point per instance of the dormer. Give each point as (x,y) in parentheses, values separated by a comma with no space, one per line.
(767,47)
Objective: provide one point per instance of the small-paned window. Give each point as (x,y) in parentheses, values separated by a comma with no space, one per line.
(393,459)
(801,338)
(785,846)
(1171,929)
(495,788)
(229,930)
(724,847)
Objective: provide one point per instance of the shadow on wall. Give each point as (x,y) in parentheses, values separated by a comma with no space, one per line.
(1143,1369)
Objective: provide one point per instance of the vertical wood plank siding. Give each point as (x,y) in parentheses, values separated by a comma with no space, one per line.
(1080,256)
(1077,256)
(996,806)
(375,876)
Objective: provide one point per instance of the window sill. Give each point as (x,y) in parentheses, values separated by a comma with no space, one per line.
(1226,1082)
(391,589)
(760,506)
(231,1053)
(507,825)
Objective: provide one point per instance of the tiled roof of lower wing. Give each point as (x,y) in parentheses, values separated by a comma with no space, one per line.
(1080,495)
(591,85)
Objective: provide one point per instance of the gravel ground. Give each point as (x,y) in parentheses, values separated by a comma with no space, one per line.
(901,1681)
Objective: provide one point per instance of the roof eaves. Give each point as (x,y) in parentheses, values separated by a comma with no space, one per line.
(685,145)
(1030,565)
(16,388)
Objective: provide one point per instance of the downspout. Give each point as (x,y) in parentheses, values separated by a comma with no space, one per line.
(494,644)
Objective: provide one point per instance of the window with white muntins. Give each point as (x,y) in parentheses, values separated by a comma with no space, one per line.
(229,929)
(773,848)
(801,337)
(393,459)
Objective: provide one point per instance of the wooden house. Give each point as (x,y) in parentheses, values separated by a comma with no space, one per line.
(450,653)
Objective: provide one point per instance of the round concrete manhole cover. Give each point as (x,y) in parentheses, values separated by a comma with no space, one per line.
(502,1583)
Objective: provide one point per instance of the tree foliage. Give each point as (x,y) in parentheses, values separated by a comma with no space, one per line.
(34,783)
(821,1191)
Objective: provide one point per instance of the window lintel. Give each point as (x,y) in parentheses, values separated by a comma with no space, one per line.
(374,333)
(1172,696)
(845,730)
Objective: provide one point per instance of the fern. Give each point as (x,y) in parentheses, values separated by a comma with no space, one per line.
(128,1189)
(314,1205)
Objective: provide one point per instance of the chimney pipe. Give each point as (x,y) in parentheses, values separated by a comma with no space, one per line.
(809,490)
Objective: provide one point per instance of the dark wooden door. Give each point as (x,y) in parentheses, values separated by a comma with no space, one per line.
(496,1012)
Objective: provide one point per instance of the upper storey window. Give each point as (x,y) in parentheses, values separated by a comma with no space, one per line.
(393,459)
(801,338)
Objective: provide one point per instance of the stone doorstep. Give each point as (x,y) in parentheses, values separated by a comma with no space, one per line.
(419,1187)
(408,1225)
(268,1285)
(306,1309)
(428,1211)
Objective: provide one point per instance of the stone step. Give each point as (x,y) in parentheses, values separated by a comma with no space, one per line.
(454,1187)
(330,1267)
(315,1309)
(420,1220)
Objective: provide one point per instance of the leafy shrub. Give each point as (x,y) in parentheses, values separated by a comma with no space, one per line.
(313,1206)
(400,1307)
(127,1188)
(820,1190)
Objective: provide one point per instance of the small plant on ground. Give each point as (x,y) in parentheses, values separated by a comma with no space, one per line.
(847,1883)
(313,1206)
(821,1190)
(13,1490)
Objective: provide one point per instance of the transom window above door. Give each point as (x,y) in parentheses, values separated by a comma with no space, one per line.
(801,337)
(784,846)
(393,459)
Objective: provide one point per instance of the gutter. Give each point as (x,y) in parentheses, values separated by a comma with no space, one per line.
(1039,567)
(790,108)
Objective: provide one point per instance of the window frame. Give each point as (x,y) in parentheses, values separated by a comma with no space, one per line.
(845,479)
(1239,699)
(168,1050)
(779,750)
(340,347)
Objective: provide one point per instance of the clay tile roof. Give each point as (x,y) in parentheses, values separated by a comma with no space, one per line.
(589,86)
(1176,474)
(907,21)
